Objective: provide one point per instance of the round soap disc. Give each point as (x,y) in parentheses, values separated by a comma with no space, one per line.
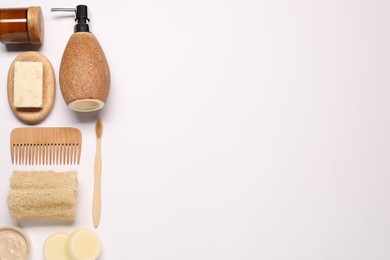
(54,247)
(83,244)
(33,115)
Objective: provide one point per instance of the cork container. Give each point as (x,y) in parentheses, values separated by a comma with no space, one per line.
(84,73)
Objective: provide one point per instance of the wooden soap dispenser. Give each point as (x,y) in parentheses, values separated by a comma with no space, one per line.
(84,71)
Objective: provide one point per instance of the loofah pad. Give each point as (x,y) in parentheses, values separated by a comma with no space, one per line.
(43,195)
(33,115)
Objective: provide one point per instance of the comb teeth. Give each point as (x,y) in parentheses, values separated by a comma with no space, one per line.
(40,145)
(50,154)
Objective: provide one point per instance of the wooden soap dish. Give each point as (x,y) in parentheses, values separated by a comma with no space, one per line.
(33,115)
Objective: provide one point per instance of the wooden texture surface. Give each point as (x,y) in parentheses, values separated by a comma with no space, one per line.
(35,25)
(45,145)
(96,206)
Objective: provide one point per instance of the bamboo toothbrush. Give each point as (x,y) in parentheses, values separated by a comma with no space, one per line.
(97,175)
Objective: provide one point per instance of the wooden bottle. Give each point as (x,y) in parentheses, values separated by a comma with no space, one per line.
(84,71)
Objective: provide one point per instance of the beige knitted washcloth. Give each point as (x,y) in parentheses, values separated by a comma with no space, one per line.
(43,195)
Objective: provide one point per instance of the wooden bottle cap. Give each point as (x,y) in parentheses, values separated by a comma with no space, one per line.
(33,115)
(35,25)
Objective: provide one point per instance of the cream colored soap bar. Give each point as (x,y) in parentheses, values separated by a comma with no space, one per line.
(28,84)
(54,247)
(83,244)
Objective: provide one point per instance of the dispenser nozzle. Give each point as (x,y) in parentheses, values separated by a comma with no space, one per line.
(63,9)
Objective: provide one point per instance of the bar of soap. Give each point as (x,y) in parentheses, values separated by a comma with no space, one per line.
(28,84)
(33,115)
(83,244)
(54,247)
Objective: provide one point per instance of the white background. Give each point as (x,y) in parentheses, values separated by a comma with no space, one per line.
(252,129)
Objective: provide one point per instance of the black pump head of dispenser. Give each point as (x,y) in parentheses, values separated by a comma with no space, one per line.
(82,19)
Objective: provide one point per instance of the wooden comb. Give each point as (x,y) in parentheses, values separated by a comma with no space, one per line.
(45,145)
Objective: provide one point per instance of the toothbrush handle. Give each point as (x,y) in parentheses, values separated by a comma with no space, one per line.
(96,206)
